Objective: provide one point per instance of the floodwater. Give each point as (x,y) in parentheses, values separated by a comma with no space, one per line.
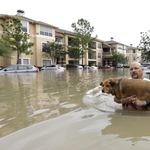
(66,110)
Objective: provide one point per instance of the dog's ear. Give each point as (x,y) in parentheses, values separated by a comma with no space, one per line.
(101,83)
(112,81)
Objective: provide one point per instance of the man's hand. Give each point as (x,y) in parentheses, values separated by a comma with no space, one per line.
(137,102)
(131,99)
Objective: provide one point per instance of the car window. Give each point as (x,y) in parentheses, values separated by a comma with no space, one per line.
(22,68)
(53,65)
(11,68)
(30,67)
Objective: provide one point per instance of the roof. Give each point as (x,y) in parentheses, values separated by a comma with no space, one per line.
(114,42)
(131,47)
(60,35)
(27,19)
(64,31)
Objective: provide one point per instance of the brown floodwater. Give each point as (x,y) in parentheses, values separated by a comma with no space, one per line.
(63,110)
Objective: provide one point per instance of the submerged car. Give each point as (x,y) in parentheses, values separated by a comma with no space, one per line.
(19,69)
(53,67)
(86,67)
(93,67)
(78,67)
(146,66)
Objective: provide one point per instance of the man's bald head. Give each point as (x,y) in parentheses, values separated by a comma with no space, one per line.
(136,70)
(136,63)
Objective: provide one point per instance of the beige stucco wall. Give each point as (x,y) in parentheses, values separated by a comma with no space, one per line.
(38,55)
(37,39)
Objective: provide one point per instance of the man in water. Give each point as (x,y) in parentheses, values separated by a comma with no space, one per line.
(136,72)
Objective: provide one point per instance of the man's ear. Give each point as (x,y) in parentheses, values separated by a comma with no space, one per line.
(101,83)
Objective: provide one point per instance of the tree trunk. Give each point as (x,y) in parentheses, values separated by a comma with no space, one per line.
(82,55)
(57,61)
(17,58)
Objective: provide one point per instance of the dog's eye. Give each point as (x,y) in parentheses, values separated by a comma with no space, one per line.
(107,85)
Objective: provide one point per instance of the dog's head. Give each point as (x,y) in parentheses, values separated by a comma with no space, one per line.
(108,85)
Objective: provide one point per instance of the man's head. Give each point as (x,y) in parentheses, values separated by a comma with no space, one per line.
(136,70)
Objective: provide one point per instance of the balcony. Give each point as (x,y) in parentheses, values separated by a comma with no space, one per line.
(91,56)
(92,46)
(107,54)
(60,41)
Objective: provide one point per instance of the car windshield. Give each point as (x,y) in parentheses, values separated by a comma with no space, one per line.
(53,65)
(11,68)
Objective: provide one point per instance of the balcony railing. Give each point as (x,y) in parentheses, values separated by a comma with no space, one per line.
(91,57)
(60,41)
(107,54)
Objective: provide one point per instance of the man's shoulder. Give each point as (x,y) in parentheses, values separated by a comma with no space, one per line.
(146,79)
(143,79)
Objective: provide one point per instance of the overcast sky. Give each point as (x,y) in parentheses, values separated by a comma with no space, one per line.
(121,19)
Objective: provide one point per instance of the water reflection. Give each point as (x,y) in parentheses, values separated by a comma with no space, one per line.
(130,126)
(26,99)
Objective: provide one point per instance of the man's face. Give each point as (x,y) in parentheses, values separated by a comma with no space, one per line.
(136,71)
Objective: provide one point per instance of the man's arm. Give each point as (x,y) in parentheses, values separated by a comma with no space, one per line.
(131,99)
(128,100)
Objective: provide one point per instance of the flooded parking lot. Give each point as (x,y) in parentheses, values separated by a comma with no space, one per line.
(67,110)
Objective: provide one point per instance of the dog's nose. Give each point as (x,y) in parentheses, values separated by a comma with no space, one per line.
(103,91)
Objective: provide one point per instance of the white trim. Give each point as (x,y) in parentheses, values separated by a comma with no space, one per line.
(43,37)
(28,27)
(23,59)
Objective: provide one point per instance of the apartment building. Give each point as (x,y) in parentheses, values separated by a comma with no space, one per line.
(132,53)
(99,56)
(41,32)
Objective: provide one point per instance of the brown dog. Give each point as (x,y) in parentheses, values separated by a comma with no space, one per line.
(123,87)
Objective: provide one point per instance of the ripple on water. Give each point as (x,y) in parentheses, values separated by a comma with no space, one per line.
(94,98)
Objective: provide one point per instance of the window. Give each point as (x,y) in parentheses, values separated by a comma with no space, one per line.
(30,67)
(133,50)
(89,56)
(24,26)
(134,58)
(127,51)
(43,50)
(99,46)
(47,31)
(12,68)
(128,57)
(26,61)
(46,62)
(125,47)
(99,55)
(120,46)
(22,68)
(99,64)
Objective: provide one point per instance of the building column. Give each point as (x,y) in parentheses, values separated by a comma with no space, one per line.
(110,63)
